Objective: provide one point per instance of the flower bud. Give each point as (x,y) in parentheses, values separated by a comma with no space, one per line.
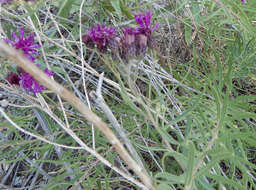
(13,79)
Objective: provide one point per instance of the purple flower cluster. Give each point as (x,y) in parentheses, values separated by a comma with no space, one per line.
(133,41)
(28,46)
(101,35)
(26,81)
(144,22)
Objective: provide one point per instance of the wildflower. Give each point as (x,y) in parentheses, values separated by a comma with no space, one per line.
(144,28)
(26,80)
(101,35)
(26,44)
(13,78)
(242,1)
(30,84)
(144,22)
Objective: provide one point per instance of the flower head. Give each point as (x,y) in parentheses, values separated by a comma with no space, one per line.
(242,1)
(30,84)
(27,44)
(144,22)
(27,81)
(101,35)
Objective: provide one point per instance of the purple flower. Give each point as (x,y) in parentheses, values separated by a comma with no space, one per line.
(27,44)
(144,21)
(30,84)
(242,1)
(27,81)
(101,35)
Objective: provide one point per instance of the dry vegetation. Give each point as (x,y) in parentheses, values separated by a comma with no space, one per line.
(180,114)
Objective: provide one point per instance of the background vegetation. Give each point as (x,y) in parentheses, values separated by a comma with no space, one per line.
(188,107)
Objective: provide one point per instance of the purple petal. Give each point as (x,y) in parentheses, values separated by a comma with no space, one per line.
(48,72)
(147,18)
(36,87)
(139,19)
(35,46)
(27,44)
(144,21)
(15,36)
(9,41)
(21,33)
(155,27)
(101,35)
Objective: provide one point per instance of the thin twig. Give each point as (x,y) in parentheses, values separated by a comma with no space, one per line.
(83,64)
(93,152)
(33,135)
(99,100)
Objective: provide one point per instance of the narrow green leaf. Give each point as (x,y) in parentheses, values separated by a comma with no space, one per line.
(116,5)
(188,33)
(163,186)
(217,157)
(203,181)
(126,11)
(225,180)
(128,100)
(65,8)
(190,165)
(170,178)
